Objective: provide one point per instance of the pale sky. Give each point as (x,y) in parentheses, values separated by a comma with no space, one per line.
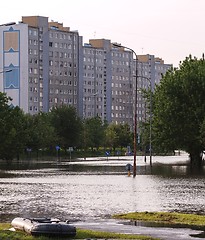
(170,29)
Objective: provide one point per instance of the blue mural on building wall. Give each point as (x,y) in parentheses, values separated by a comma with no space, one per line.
(11,48)
(11,78)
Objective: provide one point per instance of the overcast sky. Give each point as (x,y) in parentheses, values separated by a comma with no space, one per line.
(170,29)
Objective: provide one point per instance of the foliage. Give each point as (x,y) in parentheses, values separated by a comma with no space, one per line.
(40,133)
(118,135)
(12,129)
(67,124)
(94,132)
(179,109)
(144,125)
(61,126)
(112,138)
(202,131)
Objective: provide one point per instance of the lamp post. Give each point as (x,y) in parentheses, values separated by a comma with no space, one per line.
(150,120)
(135,107)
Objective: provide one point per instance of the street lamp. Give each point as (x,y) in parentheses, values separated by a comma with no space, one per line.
(135,107)
(150,120)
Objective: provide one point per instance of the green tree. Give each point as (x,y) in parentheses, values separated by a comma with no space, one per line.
(203,135)
(67,125)
(145,128)
(40,133)
(94,132)
(112,139)
(179,109)
(124,135)
(118,135)
(12,129)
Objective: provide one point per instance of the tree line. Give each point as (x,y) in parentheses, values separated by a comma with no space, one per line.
(61,128)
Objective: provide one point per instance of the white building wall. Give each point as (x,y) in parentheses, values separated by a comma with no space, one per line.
(14,58)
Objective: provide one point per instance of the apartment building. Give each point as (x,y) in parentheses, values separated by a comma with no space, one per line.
(94,82)
(110,83)
(43,62)
(107,82)
(150,71)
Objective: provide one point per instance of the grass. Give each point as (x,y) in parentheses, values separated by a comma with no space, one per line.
(160,217)
(5,234)
(82,234)
(165,217)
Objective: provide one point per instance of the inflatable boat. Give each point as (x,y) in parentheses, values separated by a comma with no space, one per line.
(44,226)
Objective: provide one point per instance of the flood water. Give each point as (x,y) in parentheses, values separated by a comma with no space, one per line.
(84,190)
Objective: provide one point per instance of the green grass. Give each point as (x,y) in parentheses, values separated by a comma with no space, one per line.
(165,217)
(161,217)
(82,234)
(5,234)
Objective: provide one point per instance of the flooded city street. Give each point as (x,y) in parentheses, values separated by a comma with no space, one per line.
(86,190)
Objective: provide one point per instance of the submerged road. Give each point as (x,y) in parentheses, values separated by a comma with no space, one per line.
(163,233)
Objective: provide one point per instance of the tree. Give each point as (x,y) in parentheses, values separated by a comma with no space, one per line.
(112,138)
(118,135)
(67,125)
(124,135)
(203,135)
(40,132)
(179,109)
(146,125)
(94,132)
(12,129)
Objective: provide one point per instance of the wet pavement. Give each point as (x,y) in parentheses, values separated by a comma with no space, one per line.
(164,233)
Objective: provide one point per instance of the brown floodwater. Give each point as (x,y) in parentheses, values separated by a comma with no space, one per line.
(83,190)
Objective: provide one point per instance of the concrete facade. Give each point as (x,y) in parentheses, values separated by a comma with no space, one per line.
(14,51)
(44,59)
(109,81)
(50,67)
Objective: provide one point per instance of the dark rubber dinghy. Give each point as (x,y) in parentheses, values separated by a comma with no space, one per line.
(44,226)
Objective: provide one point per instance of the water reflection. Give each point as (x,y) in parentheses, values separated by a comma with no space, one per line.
(87,190)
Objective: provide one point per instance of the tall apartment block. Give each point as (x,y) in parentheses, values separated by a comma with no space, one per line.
(150,71)
(44,64)
(40,64)
(109,81)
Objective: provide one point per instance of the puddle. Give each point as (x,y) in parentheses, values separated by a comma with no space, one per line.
(167,225)
(162,225)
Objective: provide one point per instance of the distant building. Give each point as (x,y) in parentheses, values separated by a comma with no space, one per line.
(110,82)
(150,71)
(44,64)
(107,83)
(44,59)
